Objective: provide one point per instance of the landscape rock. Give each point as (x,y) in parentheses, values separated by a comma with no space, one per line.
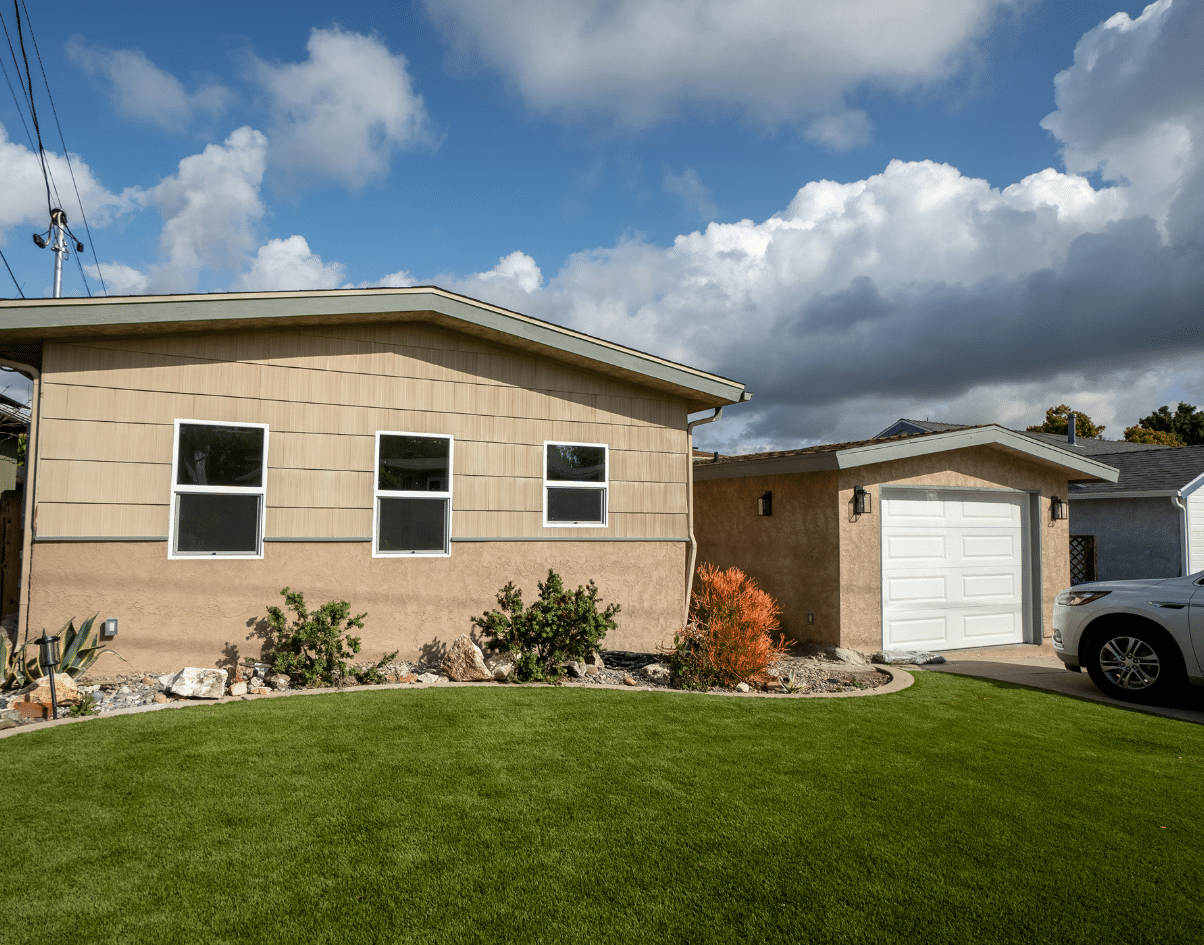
(848,656)
(595,659)
(656,671)
(742,687)
(198,683)
(628,681)
(502,671)
(591,669)
(65,690)
(915,657)
(160,699)
(33,710)
(464,662)
(7,723)
(406,678)
(259,690)
(279,681)
(148,680)
(575,669)
(428,678)
(236,689)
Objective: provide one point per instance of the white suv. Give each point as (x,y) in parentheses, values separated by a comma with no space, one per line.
(1139,640)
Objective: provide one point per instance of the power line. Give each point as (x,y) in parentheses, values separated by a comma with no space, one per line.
(33,112)
(10,272)
(20,112)
(67,157)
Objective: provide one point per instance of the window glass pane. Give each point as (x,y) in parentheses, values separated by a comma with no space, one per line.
(217,524)
(414,463)
(575,505)
(412,525)
(220,456)
(576,463)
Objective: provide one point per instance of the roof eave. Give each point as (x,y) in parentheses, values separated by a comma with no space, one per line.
(46,319)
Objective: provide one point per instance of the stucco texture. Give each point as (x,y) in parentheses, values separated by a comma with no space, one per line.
(1134,538)
(206,612)
(815,557)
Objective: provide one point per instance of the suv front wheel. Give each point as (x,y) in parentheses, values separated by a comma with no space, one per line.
(1135,664)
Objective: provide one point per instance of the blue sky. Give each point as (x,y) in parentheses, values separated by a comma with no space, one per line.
(649,172)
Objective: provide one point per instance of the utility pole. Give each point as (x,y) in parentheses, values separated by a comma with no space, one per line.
(60,231)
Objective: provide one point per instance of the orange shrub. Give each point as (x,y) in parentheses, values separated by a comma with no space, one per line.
(729,639)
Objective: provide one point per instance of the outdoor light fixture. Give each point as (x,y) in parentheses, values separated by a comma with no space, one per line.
(48,657)
(41,243)
(765,504)
(1058,510)
(863,502)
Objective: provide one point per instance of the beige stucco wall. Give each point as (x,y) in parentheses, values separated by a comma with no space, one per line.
(814,556)
(985,467)
(202,612)
(792,554)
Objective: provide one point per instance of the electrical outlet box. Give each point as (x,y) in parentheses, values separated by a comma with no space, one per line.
(108,629)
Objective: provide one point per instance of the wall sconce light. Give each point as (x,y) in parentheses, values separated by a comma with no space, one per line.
(765,504)
(1058,510)
(863,502)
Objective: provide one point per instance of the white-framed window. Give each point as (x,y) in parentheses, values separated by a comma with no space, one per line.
(412,495)
(218,484)
(575,484)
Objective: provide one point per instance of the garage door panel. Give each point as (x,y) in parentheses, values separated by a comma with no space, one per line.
(922,633)
(913,548)
(953,569)
(903,590)
(978,587)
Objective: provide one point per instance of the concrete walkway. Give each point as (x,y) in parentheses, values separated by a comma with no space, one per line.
(1037,668)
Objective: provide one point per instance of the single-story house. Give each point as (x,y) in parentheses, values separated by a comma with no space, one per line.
(1087,446)
(1147,524)
(407,450)
(940,540)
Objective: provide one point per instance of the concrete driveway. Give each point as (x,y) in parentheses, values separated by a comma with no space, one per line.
(1037,668)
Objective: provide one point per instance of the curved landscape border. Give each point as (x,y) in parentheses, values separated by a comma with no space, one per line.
(900,679)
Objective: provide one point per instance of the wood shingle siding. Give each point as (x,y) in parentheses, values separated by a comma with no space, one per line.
(109,405)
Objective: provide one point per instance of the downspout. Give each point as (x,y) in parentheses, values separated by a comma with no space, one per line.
(1185,557)
(31,471)
(744,395)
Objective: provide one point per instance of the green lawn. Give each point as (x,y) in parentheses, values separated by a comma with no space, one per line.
(956,811)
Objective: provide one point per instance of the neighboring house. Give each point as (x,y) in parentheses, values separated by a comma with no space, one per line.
(14,421)
(1087,446)
(407,450)
(957,542)
(1148,524)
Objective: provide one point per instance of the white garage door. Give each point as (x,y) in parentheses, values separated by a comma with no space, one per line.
(954,569)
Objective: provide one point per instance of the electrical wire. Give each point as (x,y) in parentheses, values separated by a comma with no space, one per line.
(24,123)
(33,112)
(10,272)
(67,156)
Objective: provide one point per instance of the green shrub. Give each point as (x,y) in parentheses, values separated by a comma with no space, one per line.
(314,649)
(559,626)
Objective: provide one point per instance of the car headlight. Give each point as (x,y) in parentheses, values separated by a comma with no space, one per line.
(1073,598)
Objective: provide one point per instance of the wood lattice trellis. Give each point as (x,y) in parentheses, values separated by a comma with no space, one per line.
(1082,559)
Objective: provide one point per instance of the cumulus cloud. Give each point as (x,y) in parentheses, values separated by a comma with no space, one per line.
(142,91)
(344,111)
(23,196)
(639,62)
(920,291)
(289,264)
(689,188)
(518,269)
(210,208)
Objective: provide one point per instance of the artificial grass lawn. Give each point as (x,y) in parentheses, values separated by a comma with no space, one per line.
(959,810)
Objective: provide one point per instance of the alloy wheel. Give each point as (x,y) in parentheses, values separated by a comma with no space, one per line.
(1129,663)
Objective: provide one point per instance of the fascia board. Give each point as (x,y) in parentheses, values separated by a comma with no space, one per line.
(1135,494)
(978,436)
(1192,486)
(65,317)
(906,449)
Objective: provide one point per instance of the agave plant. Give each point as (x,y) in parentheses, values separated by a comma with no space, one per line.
(78,651)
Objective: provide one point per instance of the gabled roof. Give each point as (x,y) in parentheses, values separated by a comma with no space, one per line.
(29,322)
(904,446)
(1161,473)
(1088,446)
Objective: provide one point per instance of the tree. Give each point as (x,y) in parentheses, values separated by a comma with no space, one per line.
(1146,435)
(1187,423)
(1057,419)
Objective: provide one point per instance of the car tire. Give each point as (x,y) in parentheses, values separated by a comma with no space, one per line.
(1134,663)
